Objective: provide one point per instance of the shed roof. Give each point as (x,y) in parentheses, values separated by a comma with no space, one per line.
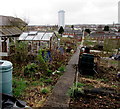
(9,31)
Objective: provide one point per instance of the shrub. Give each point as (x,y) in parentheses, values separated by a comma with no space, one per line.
(43,65)
(30,69)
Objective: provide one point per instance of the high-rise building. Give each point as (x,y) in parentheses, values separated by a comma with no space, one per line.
(119,12)
(61,18)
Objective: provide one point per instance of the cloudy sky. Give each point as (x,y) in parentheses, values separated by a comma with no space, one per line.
(39,12)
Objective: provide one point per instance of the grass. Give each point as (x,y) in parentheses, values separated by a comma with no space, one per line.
(103,79)
(19,87)
(45,90)
(46,80)
(114,86)
(80,84)
(37,83)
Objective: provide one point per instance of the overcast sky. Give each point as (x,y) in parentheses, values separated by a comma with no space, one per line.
(39,12)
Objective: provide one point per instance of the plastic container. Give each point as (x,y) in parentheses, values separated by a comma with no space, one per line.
(6,77)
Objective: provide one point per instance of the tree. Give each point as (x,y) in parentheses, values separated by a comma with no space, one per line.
(72,26)
(61,30)
(106,28)
(87,30)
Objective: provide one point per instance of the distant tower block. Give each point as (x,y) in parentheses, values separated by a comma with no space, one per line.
(119,12)
(61,18)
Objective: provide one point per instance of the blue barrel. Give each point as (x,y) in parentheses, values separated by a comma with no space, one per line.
(6,77)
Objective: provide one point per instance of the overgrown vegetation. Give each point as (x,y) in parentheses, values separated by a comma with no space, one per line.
(36,74)
(76,90)
(19,87)
(30,70)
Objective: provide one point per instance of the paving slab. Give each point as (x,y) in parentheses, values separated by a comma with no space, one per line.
(59,97)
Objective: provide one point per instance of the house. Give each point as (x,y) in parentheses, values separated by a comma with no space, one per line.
(75,33)
(10,30)
(37,40)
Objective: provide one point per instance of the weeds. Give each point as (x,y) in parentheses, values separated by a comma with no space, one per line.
(45,91)
(19,87)
(76,91)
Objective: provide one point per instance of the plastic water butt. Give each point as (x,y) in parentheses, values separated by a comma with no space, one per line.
(6,77)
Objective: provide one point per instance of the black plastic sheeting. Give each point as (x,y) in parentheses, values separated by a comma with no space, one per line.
(10,102)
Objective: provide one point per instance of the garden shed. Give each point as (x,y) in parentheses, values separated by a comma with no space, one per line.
(10,30)
(37,40)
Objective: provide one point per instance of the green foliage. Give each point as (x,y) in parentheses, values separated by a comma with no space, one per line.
(80,84)
(87,30)
(46,80)
(42,79)
(106,28)
(72,26)
(45,91)
(21,51)
(49,80)
(37,83)
(30,69)
(18,87)
(42,64)
(49,72)
(74,92)
(61,30)
(61,69)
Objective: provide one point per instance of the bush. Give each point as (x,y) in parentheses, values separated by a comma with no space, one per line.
(43,65)
(30,69)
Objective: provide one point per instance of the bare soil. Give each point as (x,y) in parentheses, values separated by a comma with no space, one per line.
(106,80)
